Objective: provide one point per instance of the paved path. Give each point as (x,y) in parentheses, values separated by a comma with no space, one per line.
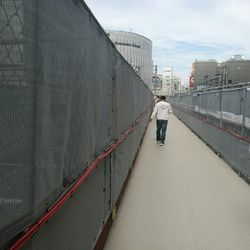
(181,196)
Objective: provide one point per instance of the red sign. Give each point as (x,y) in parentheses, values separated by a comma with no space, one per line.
(191,81)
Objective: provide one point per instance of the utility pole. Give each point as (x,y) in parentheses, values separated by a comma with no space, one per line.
(155,79)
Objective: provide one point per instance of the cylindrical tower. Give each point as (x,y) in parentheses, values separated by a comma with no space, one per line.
(137,50)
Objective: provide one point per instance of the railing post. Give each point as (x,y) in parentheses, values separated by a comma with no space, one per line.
(243,103)
(221,105)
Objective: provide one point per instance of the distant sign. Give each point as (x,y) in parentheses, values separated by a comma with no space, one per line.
(191,81)
(128,44)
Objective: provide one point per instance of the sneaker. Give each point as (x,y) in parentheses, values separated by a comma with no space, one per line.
(161,144)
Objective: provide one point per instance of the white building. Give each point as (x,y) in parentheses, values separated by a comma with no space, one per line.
(176,84)
(171,83)
(137,50)
(167,77)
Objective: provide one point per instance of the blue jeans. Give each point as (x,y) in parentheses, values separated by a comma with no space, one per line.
(161,130)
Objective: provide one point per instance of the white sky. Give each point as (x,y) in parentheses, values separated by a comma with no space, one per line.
(182,30)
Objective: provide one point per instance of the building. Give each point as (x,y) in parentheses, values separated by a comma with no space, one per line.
(237,70)
(167,76)
(203,71)
(211,74)
(157,83)
(176,84)
(137,50)
(171,83)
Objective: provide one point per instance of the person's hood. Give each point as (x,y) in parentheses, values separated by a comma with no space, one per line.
(163,104)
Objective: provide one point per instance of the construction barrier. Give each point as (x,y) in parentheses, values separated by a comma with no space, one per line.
(72,116)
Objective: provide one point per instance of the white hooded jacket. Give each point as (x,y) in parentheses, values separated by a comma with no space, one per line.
(162,110)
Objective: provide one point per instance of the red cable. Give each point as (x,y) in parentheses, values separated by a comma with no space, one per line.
(54,209)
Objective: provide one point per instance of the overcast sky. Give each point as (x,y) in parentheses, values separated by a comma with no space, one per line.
(182,30)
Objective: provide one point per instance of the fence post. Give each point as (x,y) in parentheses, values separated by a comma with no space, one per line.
(207,103)
(220,106)
(243,103)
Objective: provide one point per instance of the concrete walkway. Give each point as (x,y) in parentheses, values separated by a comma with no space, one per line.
(181,196)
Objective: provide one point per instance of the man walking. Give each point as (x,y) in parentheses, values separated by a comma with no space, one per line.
(162,110)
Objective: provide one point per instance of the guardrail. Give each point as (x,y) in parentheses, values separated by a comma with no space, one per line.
(220,117)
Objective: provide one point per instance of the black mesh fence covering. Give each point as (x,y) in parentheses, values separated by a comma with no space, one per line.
(221,118)
(66,94)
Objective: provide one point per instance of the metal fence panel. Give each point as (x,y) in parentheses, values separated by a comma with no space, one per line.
(231,100)
(221,118)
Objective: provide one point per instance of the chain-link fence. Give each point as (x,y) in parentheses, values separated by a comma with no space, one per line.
(221,117)
(66,94)
(12,71)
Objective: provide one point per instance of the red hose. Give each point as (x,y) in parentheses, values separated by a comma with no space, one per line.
(54,209)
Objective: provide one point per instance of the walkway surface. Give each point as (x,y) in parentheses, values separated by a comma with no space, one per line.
(181,196)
